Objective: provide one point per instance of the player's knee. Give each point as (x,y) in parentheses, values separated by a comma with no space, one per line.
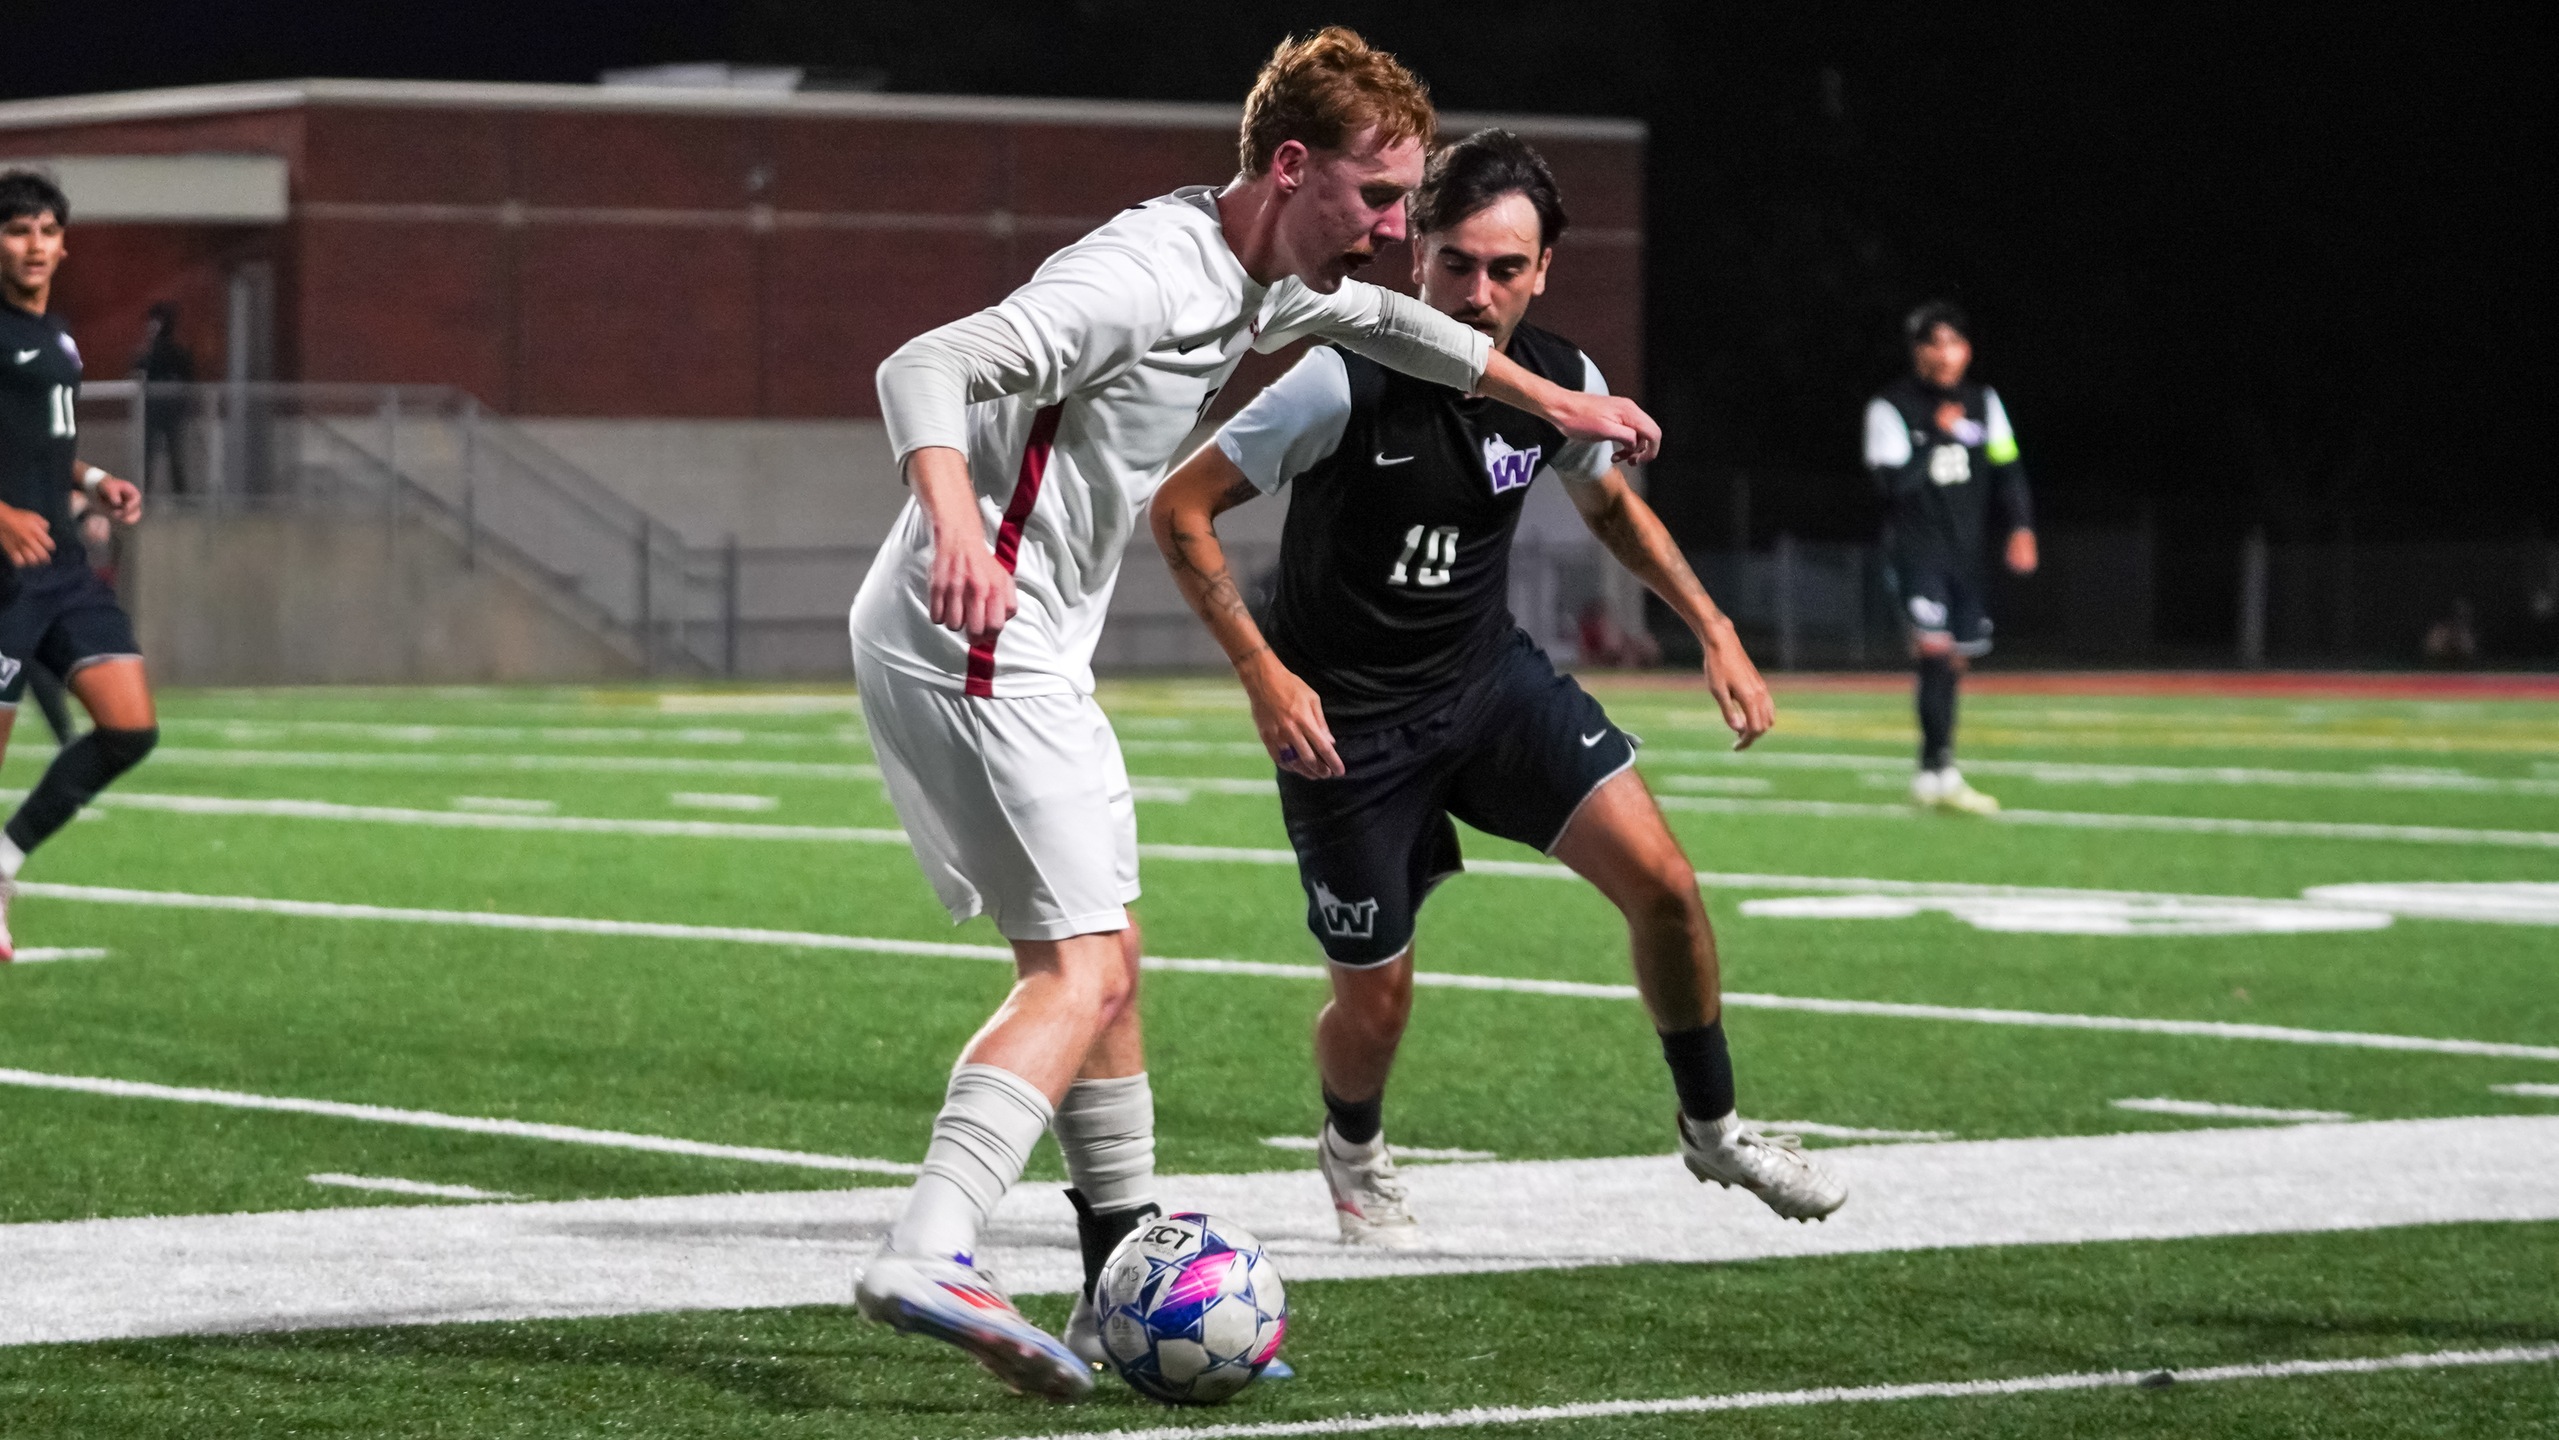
(1664,896)
(1378,1001)
(124,749)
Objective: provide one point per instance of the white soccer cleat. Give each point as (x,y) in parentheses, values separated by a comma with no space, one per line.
(1777,1170)
(949,1299)
(1368,1197)
(1084,1332)
(1945,790)
(8,945)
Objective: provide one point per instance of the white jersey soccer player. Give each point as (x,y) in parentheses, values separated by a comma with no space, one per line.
(1033,434)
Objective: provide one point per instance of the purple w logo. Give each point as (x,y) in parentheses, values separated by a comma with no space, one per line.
(1510,469)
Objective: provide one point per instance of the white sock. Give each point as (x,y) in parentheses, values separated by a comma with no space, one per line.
(990,1120)
(11,857)
(1106,1128)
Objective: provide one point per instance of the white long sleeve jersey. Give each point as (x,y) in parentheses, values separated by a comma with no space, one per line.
(1070,399)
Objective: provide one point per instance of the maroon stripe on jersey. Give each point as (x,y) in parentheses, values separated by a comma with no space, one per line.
(1008,537)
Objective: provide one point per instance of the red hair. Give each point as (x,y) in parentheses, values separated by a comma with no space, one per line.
(1326,88)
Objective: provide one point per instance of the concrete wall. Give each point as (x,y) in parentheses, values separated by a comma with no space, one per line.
(774,482)
(298,599)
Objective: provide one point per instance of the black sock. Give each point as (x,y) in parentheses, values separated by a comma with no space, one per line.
(1936,712)
(1098,1233)
(1702,1071)
(1356,1121)
(82,769)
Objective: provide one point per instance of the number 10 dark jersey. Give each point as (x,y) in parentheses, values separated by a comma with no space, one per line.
(1394,576)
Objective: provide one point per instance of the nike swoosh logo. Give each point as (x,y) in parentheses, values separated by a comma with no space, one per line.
(26,355)
(1383,459)
(1593,738)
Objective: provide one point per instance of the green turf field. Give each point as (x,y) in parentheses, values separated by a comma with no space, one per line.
(753,810)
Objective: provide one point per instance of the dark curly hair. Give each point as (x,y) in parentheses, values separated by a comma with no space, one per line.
(1923,322)
(32,192)
(1480,169)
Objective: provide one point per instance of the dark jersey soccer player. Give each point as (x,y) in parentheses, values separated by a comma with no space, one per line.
(1937,442)
(53,608)
(1394,689)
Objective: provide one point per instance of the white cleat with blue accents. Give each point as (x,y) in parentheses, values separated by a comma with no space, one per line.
(948,1298)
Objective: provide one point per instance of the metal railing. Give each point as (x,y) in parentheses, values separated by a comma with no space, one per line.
(431,461)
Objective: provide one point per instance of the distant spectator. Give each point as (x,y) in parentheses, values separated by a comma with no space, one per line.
(162,365)
(2454,640)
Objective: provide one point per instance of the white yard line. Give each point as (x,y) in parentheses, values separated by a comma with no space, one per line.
(2529,1092)
(1573,989)
(99,1279)
(1308,1144)
(504,805)
(250,732)
(1162,787)
(392,1185)
(485,820)
(2063,772)
(2208,1110)
(199,757)
(431,1120)
(1843,1132)
(709,800)
(1487,1416)
(47,954)
(2107,820)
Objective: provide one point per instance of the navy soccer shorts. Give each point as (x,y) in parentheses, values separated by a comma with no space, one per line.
(64,618)
(1942,599)
(1514,755)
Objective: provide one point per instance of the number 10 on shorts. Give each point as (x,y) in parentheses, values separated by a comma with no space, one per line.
(1439,556)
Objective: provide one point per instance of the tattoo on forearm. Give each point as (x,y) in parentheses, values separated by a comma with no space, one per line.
(1199,565)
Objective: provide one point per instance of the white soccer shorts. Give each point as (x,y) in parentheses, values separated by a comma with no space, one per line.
(1017,809)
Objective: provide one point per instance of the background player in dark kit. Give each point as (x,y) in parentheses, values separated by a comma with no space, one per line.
(1395,690)
(53,608)
(1931,439)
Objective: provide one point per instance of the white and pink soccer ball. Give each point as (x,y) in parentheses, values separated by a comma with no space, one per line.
(1192,1309)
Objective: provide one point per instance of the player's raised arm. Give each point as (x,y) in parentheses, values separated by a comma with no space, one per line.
(1286,711)
(1404,334)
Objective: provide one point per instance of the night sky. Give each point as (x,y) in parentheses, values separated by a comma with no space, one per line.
(2228,268)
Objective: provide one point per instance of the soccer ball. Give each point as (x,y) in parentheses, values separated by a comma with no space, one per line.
(1191,1308)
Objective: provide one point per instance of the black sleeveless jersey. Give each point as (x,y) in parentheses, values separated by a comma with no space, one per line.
(1394,575)
(1938,500)
(39,422)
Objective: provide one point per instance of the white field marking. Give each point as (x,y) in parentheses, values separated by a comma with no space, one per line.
(432,1120)
(1175,788)
(2208,1110)
(394,1186)
(479,820)
(2107,820)
(1249,748)
(102,1279)
(1308,1143)
(1573,989)
(187,756)
(1720,784)
(1843,1132)
(504,805)
(2529,1091)
(259,732)
(2500,902)
(708,800)
(2069,915)
(47,954)
(783,704)
(2061,772)
(1487,1416)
